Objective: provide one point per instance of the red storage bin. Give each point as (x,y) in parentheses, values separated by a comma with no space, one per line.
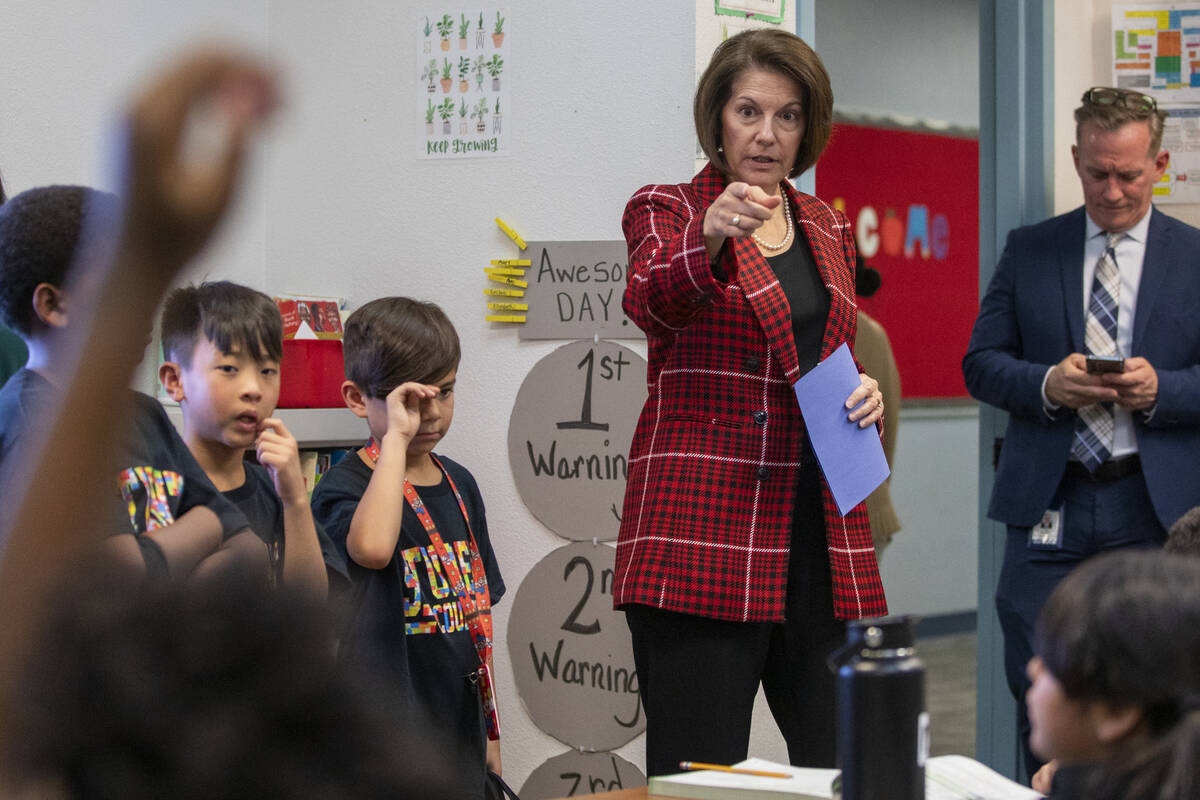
(311,374)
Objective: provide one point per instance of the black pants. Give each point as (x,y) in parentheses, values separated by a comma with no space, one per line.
(698,677)
(1096,518)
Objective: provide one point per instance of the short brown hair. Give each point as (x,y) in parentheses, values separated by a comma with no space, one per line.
(778,51)
(394,340)
(1123,105)
(231,316)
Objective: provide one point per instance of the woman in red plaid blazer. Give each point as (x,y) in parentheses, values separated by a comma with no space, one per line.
(733,564)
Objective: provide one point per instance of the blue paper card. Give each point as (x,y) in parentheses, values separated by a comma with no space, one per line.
(851,457)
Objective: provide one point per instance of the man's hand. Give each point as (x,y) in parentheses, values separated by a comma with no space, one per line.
(186,136)
(278,451)
(1070,385)
(1136,387)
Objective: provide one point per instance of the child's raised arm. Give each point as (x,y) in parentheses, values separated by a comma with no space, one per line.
(170,207)
(375,528)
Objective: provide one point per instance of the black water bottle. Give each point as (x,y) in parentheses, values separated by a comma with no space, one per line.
(882,727)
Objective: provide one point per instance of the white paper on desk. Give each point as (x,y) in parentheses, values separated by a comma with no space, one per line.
(805,781)
(963,778)
(851,457)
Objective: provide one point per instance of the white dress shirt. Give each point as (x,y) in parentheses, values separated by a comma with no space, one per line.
(1130,253)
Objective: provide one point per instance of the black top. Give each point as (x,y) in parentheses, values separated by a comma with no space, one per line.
(159,480)
(404,619)
(257,500)
(807,296)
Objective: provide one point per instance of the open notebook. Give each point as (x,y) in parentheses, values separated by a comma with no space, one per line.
(946,778)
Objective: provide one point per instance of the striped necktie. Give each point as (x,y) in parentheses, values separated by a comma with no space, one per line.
(1094,426)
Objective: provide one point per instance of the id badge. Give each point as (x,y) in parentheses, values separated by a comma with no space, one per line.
(1047,533)
(487,696)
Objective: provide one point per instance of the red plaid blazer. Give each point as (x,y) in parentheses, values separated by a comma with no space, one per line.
(715,459)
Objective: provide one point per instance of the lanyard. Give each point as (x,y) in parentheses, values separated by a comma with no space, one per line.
(478,615)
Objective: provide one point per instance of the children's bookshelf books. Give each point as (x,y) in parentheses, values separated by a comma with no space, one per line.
(946,778)
(310,317)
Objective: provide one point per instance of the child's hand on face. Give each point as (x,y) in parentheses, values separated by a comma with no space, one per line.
(277,450)
(404,409)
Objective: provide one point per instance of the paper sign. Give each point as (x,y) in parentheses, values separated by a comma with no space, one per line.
(851,457)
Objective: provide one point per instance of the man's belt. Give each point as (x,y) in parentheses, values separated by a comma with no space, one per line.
(1107,472)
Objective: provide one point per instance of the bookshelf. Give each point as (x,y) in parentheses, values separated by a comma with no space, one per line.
(314,428)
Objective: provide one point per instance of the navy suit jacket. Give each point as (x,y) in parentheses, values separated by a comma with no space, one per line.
(1032,317)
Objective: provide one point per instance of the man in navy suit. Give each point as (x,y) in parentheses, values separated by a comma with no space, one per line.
(1091,461)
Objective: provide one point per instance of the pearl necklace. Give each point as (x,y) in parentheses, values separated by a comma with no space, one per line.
(787,236)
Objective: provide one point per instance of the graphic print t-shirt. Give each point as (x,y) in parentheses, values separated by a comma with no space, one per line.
(159,480)
(404,619)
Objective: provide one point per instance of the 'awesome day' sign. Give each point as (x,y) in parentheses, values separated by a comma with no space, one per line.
(575,291)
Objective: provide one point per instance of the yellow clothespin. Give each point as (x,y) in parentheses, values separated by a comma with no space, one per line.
(504,292)
(511,262)
(516,273)
(511,233)
(508,306)
(505,317)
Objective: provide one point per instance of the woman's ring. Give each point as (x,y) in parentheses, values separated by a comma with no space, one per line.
(735,220)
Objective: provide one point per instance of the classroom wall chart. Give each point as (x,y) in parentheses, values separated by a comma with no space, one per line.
(463,66)
(1156,50)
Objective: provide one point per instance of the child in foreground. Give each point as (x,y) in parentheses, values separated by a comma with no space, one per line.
(1115,699)
(412,531)
(223,345)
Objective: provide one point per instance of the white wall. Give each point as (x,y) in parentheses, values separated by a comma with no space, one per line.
(339,205)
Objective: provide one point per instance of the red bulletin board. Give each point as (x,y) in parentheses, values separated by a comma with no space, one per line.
(913,199)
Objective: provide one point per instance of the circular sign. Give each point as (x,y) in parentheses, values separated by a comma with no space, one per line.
(572,657)
(574,773)
(569,437)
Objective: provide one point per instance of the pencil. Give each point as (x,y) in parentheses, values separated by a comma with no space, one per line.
(693,765)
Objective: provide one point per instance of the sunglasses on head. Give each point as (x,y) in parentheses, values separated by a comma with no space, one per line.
(1131,100)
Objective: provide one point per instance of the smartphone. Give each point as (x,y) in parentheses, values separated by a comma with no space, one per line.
(1099,364)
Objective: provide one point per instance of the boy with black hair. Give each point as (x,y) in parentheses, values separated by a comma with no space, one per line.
(223,344)
(173,520)
(12,350)
(411,531)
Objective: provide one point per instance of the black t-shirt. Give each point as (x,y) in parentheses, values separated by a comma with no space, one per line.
(158,481)
(404,619)
(257,499)
(808,298)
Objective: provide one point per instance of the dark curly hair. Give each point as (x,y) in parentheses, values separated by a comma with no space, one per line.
(218,691)
(40,231)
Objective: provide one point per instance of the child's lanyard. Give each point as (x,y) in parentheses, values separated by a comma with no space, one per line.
(478,615)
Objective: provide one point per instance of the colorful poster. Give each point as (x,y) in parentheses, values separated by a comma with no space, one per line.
(912,198)
(1156,50)
(463,67)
